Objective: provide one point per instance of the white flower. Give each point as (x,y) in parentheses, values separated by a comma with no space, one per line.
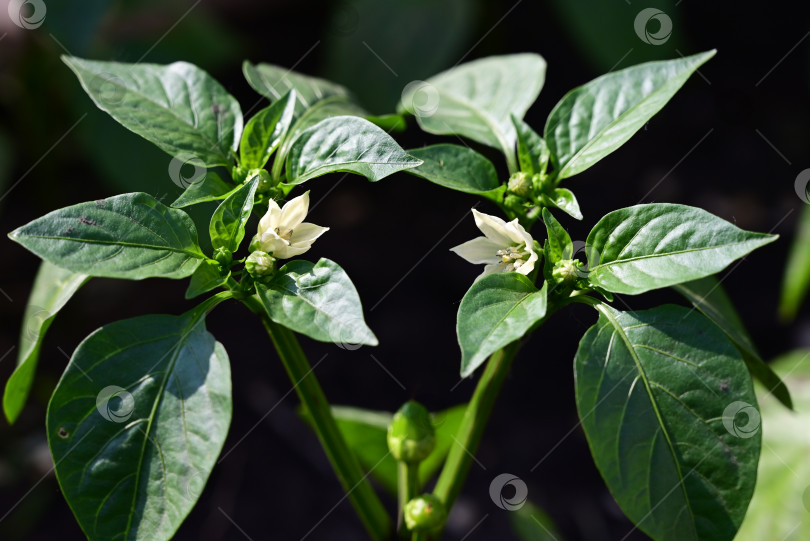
(506,247)
(283,232)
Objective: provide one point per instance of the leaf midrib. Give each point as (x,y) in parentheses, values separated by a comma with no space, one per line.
(668,254)
(117,243)
(619,330)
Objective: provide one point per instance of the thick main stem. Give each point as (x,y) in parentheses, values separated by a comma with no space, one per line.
(351,476)
(460,457)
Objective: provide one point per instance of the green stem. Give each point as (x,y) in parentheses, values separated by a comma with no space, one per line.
(351,476)
(460,457)
(407,489)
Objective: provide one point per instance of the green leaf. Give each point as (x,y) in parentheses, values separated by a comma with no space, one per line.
(708,296)
(206,278)
(210,187)
(455,167)
(497,310)
(796,281)
(670,415)
(136,423)
(53,287)
(130,236)
(477,99)
(564,200)
(178,107)
(644,247)
(365,432)
(532,151)
(327,108)
(265,131)
(779,508)
(345,143)
(318,300)
(593,120)
(530,523)
(389,123)
(228,221)
(559,241)
(273,82)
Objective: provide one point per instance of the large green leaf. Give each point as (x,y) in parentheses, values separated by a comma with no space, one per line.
(53,287)
(318,300)
(265,131)
(595,119)
(708,296)
(136,423)
(326,108)
(497,310)
(129,236)
(227,226)
(644,247)
(273,82)
(178,107)
(670,415)
(345,143)
(455,167)
(365,432)
(780,508)
(210,187)
(796,281)
(477,99)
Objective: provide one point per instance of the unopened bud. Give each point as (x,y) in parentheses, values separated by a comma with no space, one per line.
(259,264)
(223,256)
(520,184)
(425,513)
(411,437)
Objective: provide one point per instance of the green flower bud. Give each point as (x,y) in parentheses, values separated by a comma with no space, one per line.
(425,513)
(260,264)
(541,183)
(411,437)
(514,203)
(567,271)
(239,174)
(265,180)
(520,184)
(223,256)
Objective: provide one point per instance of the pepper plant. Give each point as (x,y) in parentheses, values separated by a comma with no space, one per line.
(136,423)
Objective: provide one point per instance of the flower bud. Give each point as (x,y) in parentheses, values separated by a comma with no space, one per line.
(223,256)
(265,180)
(255,244)
(520,184)
(425,513)
(411,437)
(259,264)
(567,270)
(541,183)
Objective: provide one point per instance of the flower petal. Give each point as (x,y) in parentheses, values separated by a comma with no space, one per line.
(294,212)
(527,266)
(517,234)
(271,243)
(291,251)
(271,218)
(493,227)
(478,250)
(492,269)
(306,233)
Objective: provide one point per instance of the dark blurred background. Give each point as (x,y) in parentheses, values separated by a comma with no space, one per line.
(732,141)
